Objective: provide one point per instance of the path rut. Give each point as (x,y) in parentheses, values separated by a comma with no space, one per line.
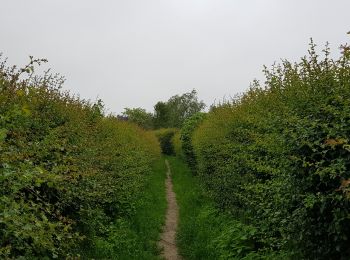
(168,237)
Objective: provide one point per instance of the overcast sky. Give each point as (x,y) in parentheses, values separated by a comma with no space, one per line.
(133,53)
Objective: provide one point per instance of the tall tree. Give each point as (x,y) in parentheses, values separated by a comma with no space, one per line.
(161,115)
(177,109)
(139,116)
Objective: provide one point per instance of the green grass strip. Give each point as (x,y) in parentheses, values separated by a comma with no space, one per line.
(198,223)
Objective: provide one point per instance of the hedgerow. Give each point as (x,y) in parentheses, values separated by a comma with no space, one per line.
(176,141)
(186,138)
(278,158)
(165,138)
(66,171)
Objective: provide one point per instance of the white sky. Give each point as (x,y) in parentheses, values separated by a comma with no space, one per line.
(133,53)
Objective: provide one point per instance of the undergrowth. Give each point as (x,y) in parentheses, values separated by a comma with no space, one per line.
(278,157)
(67,170)
(204,232)
(136,237)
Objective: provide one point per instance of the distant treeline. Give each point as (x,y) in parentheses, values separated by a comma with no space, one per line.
(169,114)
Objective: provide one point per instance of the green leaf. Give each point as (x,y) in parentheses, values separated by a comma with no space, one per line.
(3,134)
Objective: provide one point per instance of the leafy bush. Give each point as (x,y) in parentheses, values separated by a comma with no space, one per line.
(176,141)
(186,138)
(138,116)
(176,110)
(136,237)
(66,170)
(278,157)
(165,137)
(204,232)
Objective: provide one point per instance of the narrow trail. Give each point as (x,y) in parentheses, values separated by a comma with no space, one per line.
(167,241)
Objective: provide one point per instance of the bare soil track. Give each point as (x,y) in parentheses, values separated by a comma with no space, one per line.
(168,237)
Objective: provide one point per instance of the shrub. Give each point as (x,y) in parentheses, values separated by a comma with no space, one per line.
(278,157)
(176,141)
(165,136)
(186,138)
(66,170)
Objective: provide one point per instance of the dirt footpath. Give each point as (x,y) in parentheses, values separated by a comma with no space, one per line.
(167,241)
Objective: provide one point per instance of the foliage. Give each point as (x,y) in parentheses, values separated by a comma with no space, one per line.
(176,110)
(278,157)
(205,232)
(161,115)
(66,170)
(165,137)
(139,116)
(176,141)
(136,237)
(186,138)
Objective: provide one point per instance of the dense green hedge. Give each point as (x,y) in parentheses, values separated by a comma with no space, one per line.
(66,171)
(165,137)
(278,158)
(176,141)
(186,138)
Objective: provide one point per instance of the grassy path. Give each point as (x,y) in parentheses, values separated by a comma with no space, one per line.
(168,236)
(197,223)
(203,230)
